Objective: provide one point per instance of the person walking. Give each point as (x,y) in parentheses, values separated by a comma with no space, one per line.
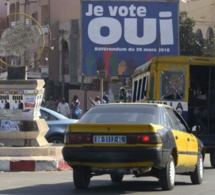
(51,104)
(105,99)
(63,108)
(74,105)
(97,100)
(7,105)
(20,105)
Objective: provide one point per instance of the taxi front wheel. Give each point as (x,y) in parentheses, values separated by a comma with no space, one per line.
(197,175)
(167,175)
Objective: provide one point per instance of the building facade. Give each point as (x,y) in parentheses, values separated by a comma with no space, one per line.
(203,12)
(60,22)
(60,63)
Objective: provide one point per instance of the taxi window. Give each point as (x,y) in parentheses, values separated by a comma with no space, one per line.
(181,122)
(173,119)
(172,85)
(122,114)
(166,120)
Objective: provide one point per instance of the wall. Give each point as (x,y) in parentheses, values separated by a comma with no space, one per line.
(60,11)
(3,8)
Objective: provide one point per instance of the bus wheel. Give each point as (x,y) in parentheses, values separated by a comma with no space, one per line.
(212,157)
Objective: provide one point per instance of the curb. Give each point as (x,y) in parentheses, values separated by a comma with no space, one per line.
(31,164)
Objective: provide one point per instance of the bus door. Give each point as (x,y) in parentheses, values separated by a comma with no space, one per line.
(202,98)
(173,86)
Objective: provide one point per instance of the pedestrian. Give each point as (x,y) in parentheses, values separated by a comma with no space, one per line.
(7,105)
(15,105)
(105,99)
(63,108)
(97,100)
(51,104)
(57,101)
(74,105)
(20,105)
(2,105)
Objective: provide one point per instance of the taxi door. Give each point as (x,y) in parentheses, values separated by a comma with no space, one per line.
(181,141)
(187,148)
(192,142)
(192,149)
(186,142)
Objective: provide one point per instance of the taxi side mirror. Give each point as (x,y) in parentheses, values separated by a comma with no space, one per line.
(196,129)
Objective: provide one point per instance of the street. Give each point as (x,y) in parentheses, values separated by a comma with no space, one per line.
(56,183)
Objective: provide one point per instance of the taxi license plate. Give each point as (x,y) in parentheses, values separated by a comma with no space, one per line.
(109,139)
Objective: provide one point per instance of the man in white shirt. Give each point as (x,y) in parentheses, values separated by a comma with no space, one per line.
(63,108)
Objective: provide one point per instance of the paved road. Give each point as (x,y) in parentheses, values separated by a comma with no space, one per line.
(60,183)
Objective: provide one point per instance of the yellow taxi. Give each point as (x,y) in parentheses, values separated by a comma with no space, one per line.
(141,139)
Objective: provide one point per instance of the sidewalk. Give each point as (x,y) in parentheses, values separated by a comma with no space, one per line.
(47,158)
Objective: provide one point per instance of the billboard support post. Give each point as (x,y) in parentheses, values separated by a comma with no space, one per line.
(101,75)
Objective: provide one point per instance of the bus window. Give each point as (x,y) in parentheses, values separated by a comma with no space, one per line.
(144,87)
(139,89)
(172,85)
(135,91)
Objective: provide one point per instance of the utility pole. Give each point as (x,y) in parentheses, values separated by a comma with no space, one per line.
(63,49)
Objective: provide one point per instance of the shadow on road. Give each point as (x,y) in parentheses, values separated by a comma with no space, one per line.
(97,187)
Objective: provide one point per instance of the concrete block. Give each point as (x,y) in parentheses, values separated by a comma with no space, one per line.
(20,135)
(3,135)
(49,150)
(12,135)
(37,125)
(5,165)
(31,134)
(22,84)
(13,142)
(42,141)
(51,165)
(42,125)
(16,142)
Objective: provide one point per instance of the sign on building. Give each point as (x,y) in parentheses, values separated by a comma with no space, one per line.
(119,36)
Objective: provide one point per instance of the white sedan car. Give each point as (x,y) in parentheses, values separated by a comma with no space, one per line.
(57,125)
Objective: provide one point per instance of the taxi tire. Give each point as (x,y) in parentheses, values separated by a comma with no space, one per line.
(81,177)
(116,177)
(197,176)
(167,175)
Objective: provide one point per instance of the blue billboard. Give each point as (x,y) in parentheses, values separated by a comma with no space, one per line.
(120,36)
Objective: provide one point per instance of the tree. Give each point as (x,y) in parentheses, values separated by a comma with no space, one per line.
(208,47)
(188,40)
